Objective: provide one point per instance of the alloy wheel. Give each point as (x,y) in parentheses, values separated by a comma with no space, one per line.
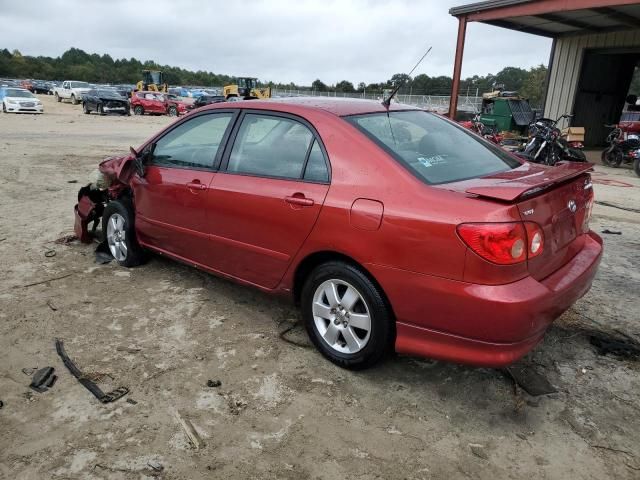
(116,237)
(341,316)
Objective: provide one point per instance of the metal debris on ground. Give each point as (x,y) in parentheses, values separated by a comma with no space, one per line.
(88,384)
(47,281)
(157,466)
(51,306)
(622,348)
(213,383)
(129,349)
(103,254)
(131,401)
(611,232)
(43,379)
(531,381)
(50,253)
(478,451)
(29,371)
(190,431)
(66,239)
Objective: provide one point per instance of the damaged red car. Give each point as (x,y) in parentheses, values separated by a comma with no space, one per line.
(392,228)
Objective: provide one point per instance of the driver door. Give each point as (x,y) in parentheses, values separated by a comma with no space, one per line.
(170,214)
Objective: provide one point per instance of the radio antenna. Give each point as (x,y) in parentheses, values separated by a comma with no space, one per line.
(387,101)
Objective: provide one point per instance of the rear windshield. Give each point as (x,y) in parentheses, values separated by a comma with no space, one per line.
(435,150)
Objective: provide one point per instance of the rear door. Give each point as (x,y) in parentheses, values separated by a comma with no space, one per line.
(265,201)
(170,198)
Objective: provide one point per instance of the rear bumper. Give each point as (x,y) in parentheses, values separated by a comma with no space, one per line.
(484,325)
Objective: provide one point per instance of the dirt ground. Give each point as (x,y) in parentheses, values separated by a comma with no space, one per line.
(282,411)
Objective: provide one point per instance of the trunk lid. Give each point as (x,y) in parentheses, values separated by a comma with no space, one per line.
(558,199)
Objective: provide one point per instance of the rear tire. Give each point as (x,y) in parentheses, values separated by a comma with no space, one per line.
(100,109)
(612,158)
(173,111)
(138,110)
(85,108)
(352,324)
(119,233)
(58,99)
(74,100)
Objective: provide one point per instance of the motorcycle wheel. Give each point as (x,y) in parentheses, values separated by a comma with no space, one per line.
(636,166)
(576,155)
(612,158)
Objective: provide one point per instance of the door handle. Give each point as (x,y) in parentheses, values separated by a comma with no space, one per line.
(299,199)
(196,186)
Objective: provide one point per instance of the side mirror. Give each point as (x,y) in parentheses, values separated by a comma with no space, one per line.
(141,159)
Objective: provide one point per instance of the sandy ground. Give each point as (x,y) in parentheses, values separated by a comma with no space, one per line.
(282,411)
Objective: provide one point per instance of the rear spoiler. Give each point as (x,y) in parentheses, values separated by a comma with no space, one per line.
(526,186)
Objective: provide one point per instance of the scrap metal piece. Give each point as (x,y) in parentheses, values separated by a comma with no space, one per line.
(190,431)
(88,384)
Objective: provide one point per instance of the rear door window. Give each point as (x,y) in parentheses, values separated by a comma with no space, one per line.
(432,148)
(270,146)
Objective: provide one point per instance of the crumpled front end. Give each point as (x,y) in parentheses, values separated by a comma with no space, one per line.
(111,182)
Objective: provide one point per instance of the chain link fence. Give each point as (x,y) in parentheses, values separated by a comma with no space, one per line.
(436,103)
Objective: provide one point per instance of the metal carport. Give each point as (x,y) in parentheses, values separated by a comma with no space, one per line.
(596,46)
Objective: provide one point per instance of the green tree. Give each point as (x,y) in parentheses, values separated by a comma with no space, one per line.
(318,85)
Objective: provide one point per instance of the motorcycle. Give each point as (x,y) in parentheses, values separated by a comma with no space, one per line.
(623,148)
(546,145)
(489,133)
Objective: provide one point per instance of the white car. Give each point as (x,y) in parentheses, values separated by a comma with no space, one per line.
(19,100)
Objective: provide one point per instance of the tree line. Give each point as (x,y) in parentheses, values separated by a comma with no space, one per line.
(77,64)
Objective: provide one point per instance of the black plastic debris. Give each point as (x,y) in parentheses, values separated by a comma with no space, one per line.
(43,379)
(531,381)
(213,383)
(88,384)
(1,404)
(103,254)
(611,232)
(621,348)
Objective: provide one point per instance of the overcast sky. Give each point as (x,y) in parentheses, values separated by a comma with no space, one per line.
(279,40)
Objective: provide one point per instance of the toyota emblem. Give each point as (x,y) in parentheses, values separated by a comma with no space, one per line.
(572,206)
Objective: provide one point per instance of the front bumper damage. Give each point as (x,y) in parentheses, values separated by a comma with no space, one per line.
(111,183)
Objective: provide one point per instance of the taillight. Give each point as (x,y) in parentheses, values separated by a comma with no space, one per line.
(535,239)
(503,243)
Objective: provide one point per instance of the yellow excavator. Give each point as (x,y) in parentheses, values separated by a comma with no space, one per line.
(152,81)
(246,88)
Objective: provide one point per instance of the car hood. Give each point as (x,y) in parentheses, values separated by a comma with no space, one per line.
(21,99)
(119,98)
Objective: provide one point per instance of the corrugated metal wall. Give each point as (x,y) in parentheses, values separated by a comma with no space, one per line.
(567,62)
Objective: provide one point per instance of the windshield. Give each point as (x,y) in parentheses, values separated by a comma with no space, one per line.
(432,148)
(18,93)
(79,85)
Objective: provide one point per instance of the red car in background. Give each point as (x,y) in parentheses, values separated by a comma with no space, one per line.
(391,227)
(27,85)
(156,103)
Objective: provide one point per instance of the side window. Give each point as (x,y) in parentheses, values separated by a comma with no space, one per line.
(316,170)
(193,144)
(270,146)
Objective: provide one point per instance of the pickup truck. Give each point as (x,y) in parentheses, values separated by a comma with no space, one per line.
(71,90)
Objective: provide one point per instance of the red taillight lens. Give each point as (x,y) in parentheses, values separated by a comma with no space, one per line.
(503,243)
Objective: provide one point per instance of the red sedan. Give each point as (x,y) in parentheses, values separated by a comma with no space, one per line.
(156,103)
(392,228)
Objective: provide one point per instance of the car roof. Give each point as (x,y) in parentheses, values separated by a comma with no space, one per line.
(337,106)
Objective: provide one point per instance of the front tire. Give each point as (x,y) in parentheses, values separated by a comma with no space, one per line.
(85,108)
(119,233)
(636,166)
(74,100)
(138,110)
(346,316)
(173,111)
(100,109)
(58,99)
